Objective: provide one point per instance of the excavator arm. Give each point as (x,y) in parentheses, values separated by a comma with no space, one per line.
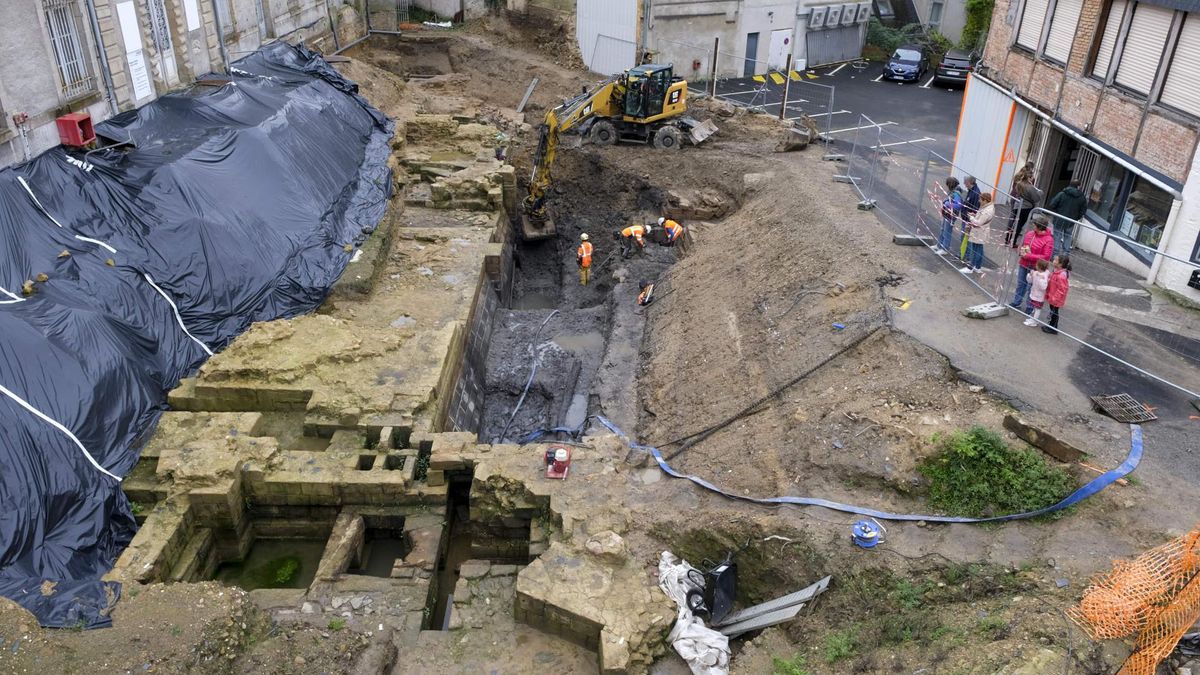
(602,100)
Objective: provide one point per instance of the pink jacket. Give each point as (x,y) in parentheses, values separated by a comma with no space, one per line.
(1041,247)
(1056,292)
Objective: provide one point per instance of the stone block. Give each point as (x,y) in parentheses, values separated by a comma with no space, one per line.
(474,569)
(344,546)
(912,240)
(1043,440)
(435,477)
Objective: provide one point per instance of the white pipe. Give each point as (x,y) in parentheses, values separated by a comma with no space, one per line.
(1129,166)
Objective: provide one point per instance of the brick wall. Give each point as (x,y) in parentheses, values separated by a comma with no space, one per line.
(1159,138)
(465,408)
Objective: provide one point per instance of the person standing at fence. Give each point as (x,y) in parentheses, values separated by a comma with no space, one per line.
(951,209)
(1029,198)
(1056,292)
(979,228)
(1037,245)
(1039,279)
(1070,203)
(970,208)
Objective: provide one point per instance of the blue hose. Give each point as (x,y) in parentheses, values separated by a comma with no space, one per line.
(1096,485)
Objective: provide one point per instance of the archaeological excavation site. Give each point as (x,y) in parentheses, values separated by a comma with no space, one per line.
(384,429)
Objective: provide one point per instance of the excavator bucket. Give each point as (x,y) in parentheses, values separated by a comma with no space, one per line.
(699,131)
(534,227)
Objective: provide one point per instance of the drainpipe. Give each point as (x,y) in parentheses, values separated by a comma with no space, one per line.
(644,36)
(220,35)
(109,90)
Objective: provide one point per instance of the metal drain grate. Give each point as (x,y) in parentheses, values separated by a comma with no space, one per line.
(1123,408)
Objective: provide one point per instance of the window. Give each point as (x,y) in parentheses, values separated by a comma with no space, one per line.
(1180,89)
(1145,215)
(1104,191)
(1062,29)
(1143,49)
(935,14)
(74,79)
(885,9)
(1108,39)
(1032,19)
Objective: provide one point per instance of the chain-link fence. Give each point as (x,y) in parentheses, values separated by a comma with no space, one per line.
(1111,307)
(779,87)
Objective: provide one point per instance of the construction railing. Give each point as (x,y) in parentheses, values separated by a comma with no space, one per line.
(1112,307)
(783,89)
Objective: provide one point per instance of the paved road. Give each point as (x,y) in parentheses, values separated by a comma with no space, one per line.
(909,116)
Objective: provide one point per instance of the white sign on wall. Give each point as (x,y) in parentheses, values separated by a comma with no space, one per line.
(132,37)
(192,12)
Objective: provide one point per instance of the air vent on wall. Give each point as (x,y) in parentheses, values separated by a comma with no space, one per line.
(816,20)
(864,12)
(833,16)
(849,14)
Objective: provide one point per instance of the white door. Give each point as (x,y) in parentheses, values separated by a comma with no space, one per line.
(781,46)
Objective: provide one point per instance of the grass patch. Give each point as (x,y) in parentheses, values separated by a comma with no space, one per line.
(908,595)
(841,645)
(976,474)
(992,625)
(797,665)
(337,624)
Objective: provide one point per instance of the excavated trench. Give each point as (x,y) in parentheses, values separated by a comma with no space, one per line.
(572,337)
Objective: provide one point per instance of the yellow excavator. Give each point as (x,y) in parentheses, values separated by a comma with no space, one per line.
(645,104)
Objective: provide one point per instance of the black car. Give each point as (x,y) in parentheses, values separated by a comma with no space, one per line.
(908,64)
(955,66)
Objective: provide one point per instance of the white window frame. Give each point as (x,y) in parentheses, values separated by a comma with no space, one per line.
(1118,40)
(69,46)
(1190,20)
(1119,57)
(941,12)
(1041,36)
(1052,17)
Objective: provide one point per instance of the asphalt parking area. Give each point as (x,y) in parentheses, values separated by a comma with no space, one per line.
(910,115)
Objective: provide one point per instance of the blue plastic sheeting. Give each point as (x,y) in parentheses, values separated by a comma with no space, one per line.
(1096,485)
(229,204)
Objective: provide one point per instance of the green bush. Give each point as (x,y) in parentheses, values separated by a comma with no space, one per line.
(793,666)
(977,474)
(979,17)
(840,645)
(887,39)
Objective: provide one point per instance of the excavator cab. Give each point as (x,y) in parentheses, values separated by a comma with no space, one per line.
(646,88)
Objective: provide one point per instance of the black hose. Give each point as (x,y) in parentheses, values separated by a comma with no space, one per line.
(532,372)
(693,439)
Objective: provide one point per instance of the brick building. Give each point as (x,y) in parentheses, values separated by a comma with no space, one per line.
(106,56)
(1105,92)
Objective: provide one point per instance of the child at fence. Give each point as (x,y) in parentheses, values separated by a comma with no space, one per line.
(978,229)
(1056,291)
(1039,281)
(951,209)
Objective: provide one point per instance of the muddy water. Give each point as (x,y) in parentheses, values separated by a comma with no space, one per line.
(275,563)
(586,343)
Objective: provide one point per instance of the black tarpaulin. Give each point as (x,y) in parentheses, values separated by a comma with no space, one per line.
(227,205)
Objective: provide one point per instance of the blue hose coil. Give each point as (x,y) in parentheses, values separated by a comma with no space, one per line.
(1096,485)
(867,533)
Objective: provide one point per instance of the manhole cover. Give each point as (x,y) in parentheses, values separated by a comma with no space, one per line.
(1123,408)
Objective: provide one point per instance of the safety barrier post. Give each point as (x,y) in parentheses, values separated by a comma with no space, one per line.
(712,81)
(787,81)
(922,191)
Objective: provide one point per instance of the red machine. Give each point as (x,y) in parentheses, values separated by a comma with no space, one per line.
(558,461)
(75,130)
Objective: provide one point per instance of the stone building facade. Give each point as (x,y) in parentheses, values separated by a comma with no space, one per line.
(1103,92)
(106,56)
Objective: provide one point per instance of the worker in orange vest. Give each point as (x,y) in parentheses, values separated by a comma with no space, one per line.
(583,257)
(673,230)
(634,234)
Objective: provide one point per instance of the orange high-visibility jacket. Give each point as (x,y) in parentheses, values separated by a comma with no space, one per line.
(635,231)
(584,254)
(673,229)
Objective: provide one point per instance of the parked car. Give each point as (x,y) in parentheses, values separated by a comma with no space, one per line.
(955,66)
(907,64)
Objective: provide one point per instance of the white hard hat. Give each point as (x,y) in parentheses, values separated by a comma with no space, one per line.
(661,220)
(649,227)
(584,236)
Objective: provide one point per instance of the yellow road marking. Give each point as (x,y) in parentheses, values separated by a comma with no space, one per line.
(777,78)
(759,78)
(812,76)
(795,76)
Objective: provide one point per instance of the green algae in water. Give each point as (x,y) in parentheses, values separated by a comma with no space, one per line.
(283,563)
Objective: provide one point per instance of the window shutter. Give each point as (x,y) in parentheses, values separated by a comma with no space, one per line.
(1116,14)
(1144,47)
(1062,29)
(1181,89)
(1032,19)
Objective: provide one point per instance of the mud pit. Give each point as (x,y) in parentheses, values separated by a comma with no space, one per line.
(362,427)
